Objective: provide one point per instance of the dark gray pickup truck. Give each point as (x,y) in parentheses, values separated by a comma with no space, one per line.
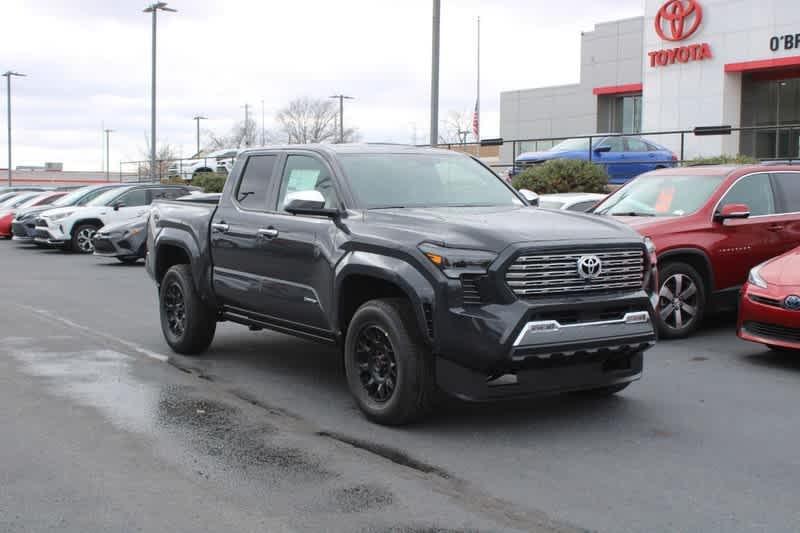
(426,269)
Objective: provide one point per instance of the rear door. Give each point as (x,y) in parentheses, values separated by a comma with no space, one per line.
(614,159)
(640,157)
(236,244)
(787,225)
(744,243)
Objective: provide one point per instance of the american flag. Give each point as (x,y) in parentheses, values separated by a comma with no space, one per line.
(476,122)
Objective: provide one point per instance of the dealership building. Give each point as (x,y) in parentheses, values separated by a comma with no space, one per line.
(684,64)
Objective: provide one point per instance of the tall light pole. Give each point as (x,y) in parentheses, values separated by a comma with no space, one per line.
(341,99)
(108,154)
(154,8)
(263,140)
(246,131)
(197,119)
(437,7)
(7,74)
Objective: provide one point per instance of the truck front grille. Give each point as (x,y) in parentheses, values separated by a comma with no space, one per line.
(545,274)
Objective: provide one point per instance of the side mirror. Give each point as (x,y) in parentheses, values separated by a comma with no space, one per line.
(732,211)
(602,149)
(117,205)
(530,196)
(308,203)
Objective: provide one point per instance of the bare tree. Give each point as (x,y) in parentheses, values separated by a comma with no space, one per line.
(241,136)
(454,128)
(165,155)
(307,120)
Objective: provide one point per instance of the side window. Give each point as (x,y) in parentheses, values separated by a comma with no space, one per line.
(306,173)
(755,191)
(788,190)
(637,145)
(136,198)
(91,196)
(174,192)
(251,193)
(617,144)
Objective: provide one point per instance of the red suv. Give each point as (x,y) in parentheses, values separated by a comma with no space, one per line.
(710,226)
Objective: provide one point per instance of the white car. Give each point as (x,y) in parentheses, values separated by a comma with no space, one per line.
(74,227)
(218,161)
(570,201)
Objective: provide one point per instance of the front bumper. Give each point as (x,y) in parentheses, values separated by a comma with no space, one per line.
(106,245)
(23,231)
(50,235)
(763,320)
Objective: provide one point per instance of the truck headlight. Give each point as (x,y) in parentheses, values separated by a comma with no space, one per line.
(754,278)
(455,261)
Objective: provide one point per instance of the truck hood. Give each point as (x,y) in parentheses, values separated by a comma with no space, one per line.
(494,228)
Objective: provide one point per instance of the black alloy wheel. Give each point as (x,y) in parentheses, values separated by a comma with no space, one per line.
(376,363)
(175,309)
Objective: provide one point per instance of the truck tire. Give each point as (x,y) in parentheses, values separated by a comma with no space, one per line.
(679,315)
(389,369)
(188,324)
(82,238)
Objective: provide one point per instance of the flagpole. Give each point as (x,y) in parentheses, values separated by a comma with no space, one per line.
(478,101)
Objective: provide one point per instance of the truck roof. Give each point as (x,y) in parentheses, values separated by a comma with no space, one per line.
(376,148)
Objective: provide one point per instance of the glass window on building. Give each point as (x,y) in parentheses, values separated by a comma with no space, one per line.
(619,114)
(771,105)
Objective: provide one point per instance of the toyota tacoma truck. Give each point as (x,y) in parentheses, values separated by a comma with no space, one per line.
(425,269)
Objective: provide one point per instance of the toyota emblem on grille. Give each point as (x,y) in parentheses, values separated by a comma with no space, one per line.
(589,267)
(792,302)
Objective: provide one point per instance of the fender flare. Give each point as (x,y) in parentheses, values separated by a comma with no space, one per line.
(201,271)
(402,273)
(696,252)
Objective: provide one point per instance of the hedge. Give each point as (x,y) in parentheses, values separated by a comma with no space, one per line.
(210,181)
(563,175)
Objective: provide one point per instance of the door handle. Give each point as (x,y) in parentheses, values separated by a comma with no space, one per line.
(220,227)
(776,227)
(269,233)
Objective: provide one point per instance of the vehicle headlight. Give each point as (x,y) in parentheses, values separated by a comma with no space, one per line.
(754,278)
(455,261)
(60,216)
(132,232)
(651,250)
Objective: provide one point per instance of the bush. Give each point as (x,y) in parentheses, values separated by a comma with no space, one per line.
(563,175)
(723,160)
(210,181)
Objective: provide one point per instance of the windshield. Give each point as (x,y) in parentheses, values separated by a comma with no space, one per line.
(572,145)
(17,201)
(423,180)
(71,198)
(108,196)
(551,204)
(661,196)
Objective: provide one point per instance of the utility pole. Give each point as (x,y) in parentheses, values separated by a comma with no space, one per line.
(197,119)
(246,125)
(154,8)
(7,74)
(108,154)
(435,73)
(477,128)
(263,139)
(341,99)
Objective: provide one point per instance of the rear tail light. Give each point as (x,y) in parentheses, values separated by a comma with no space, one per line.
(674,157)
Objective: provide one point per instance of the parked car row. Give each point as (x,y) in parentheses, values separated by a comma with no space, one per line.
(110,217)
(220,161)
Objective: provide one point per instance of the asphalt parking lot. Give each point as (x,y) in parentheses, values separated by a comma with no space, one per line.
(116,433)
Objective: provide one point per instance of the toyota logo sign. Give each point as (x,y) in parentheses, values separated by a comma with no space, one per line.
(589,267)
(792,303)
(678,19)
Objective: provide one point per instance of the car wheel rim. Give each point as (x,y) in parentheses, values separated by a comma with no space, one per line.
(85,240)
(175,309)
(678,301)
(377,366)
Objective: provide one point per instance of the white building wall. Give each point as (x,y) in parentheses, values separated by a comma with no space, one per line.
(700,93)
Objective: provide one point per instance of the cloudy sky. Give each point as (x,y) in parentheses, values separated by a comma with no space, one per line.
(88,64)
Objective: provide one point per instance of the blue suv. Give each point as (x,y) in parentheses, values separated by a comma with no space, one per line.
(624,157)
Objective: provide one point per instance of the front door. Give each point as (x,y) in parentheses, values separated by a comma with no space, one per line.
(613,159)
(744,243)
(131,204)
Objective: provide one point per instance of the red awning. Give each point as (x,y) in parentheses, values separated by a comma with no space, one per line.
(764,65)
(618,89)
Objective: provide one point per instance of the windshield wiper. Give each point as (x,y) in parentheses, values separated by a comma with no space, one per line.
(633,214)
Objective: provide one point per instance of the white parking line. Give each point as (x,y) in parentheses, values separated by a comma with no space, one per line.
(131,345)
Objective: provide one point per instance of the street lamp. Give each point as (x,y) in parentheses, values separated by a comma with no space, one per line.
(108,154)
(341,99)
(154,8)
(7,74)
(197,119)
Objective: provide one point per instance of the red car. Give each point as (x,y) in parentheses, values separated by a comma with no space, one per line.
(769,312)
(9,208)
(710,226)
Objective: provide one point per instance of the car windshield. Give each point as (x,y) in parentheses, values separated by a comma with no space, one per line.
(33,200)
(573,145)
(16,201)
(660,195)
(71,198)
(107,196)
(423,180)
(551,204)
